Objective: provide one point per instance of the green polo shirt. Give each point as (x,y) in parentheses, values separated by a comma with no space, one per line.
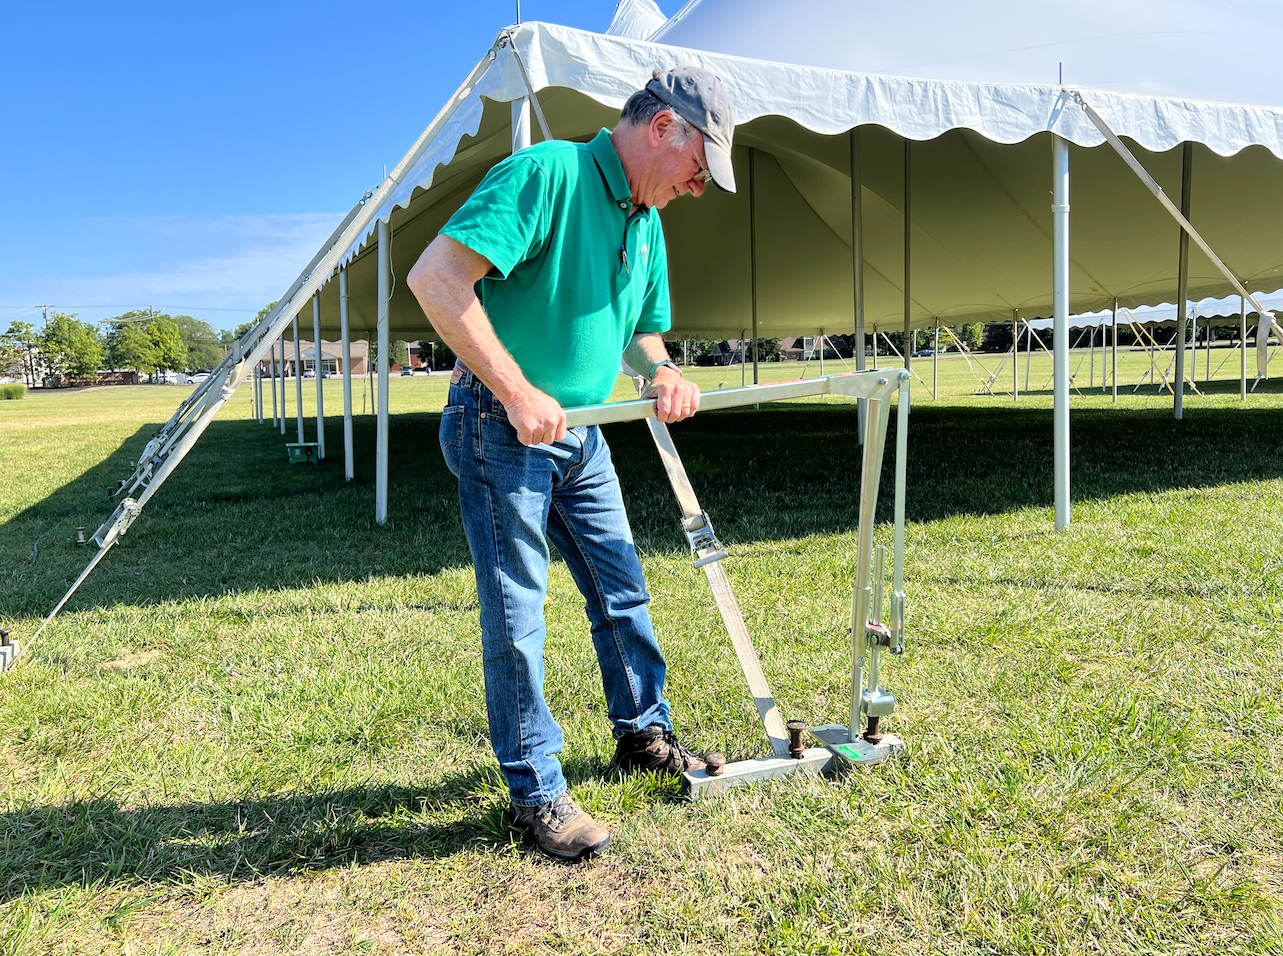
(575,276)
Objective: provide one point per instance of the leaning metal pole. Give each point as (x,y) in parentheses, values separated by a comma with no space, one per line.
(1060,333)
(345,334)
(320,376)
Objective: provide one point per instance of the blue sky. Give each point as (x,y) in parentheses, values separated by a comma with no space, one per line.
(192,158)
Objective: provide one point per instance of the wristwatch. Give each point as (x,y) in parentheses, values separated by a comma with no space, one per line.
(650,377)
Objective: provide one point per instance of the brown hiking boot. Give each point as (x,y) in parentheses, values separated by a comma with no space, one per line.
(654,748)
(562,829)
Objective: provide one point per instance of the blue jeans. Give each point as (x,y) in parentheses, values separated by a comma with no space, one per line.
(514,500)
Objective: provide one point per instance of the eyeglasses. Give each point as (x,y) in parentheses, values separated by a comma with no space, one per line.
(704,173)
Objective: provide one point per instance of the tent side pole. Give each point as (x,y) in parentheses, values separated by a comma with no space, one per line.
(1182,282)
(908,197)
(1015,356)
(298,380)
(271,375)
(381,427)
(320,373)
(345,335)
(1242,358)
(1113,362)
(935,364)
(1060,335)
(857,269)
(752,246)
(282,344)
(875,348)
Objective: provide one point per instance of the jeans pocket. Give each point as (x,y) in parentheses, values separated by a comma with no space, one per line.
(451,436)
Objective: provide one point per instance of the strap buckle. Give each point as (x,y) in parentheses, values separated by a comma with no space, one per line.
(705,548)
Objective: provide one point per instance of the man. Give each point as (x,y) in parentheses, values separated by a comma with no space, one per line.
(553,269)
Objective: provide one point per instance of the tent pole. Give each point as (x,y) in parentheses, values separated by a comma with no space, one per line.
(1114,359)
(819,338)
(1060,334)
(258,394)
(381,427)
(1182,282)
(752,246)
(908,196)
(320,372)
(520,124)
(1242,361)
(875,348)
(298,380)
(1091,368)
(1015,356)
(271,374)
(857,268)
(282,343)
(344,333)
(743,370)
(935,364)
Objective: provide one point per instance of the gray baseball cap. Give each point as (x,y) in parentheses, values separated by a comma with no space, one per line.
(698,97)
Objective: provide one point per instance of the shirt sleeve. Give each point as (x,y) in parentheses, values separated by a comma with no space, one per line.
(506,217)
(656,310)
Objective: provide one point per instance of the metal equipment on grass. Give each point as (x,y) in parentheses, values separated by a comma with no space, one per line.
(859,741)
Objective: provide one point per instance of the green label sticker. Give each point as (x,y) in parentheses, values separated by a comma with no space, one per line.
(846,750)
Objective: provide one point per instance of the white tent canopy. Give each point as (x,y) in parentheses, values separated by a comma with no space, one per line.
(1207,50)
(980,158)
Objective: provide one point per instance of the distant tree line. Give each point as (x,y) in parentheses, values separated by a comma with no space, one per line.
(68,350)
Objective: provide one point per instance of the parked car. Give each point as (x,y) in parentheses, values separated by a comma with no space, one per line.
(924,353)
(406,370)
(195,378)
(309,373)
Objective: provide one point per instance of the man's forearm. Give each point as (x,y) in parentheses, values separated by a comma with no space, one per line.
(645,351)
(442,282)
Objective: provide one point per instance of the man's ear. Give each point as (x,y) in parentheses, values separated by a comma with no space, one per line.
(661,127)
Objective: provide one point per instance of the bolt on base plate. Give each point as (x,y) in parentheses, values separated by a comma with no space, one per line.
(858,752)
(697,784)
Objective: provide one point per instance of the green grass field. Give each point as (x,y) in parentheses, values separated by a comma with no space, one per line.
(259,727)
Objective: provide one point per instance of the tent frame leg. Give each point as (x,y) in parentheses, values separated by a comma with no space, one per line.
(345,335)
(1060,333)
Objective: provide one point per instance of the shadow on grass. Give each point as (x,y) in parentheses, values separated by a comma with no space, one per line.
(99,842)
(236,516)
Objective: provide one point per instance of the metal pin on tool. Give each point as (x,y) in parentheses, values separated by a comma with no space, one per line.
(796,747)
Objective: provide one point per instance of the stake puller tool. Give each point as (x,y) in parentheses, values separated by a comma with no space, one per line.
(859,741)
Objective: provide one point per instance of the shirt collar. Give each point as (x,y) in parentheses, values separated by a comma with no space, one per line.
(612,170)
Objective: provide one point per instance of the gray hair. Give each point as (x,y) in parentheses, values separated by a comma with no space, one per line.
(643,106)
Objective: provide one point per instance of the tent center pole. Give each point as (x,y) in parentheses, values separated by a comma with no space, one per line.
(1060,334)
(1015,355)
